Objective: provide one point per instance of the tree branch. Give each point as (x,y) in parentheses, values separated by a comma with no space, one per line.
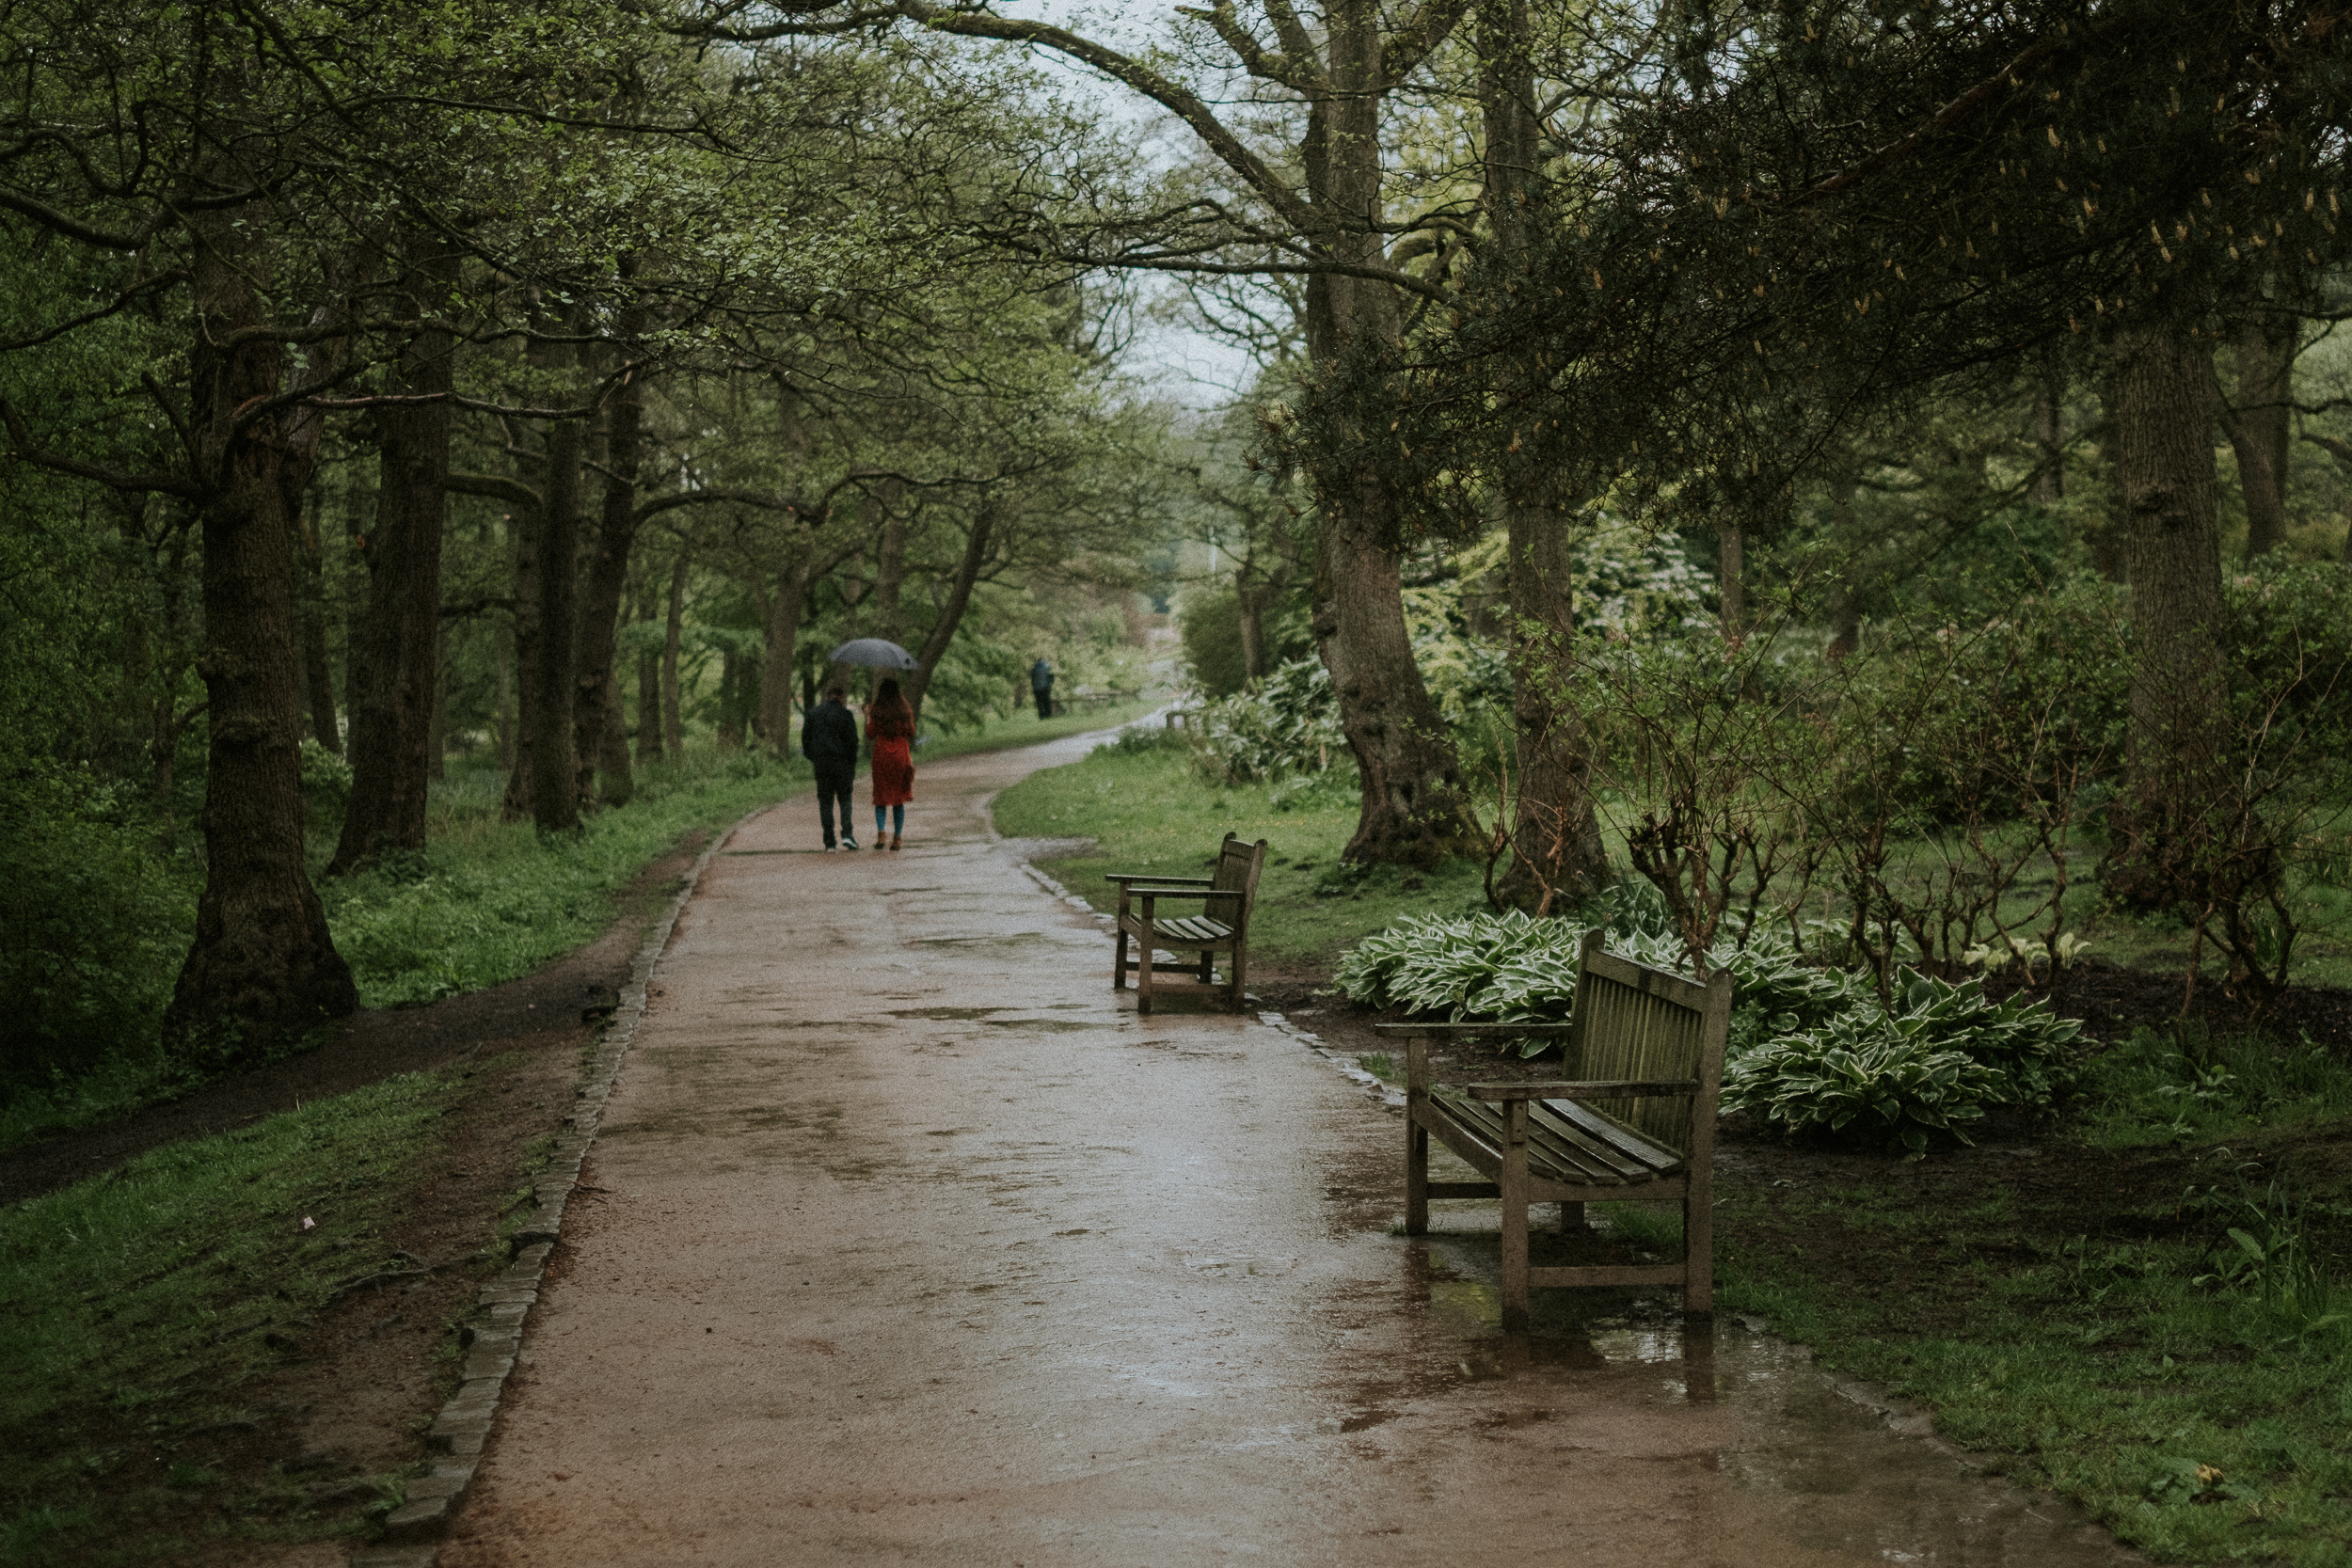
(170,484)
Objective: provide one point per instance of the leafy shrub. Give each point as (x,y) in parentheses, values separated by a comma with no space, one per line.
(1812,1050)
(1290,724)
(97,925)
(1938,1056)
(1211,627)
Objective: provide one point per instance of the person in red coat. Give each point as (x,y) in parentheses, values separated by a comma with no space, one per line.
(890,737)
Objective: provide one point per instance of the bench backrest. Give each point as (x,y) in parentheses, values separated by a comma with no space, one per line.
(1237,866)
(1632,1022)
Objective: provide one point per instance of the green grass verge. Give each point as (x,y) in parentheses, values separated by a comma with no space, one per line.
(138,1306)
(1148,810)
(489,901)
(486,902)
(996,734)
(2148,1322)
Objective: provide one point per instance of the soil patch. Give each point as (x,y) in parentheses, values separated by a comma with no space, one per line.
(343,1408)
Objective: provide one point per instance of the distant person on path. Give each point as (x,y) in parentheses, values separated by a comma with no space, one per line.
(828,740)
(890,734)
(1041,688)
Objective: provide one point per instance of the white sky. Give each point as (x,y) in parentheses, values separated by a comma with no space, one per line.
(1193,368)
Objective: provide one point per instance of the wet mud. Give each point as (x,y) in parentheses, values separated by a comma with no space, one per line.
(908,1242)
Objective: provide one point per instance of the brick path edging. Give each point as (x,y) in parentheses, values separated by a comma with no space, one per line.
(457,1434)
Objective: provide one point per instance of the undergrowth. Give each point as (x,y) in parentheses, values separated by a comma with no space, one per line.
(2153,1321)
(136,1308)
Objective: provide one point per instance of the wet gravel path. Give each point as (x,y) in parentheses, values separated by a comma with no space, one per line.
(905,1241)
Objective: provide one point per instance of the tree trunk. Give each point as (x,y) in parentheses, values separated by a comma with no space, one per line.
(2164,474)
(394,687)
(613,745)
(607,580)
(959,599)
(502,657)
(2049,436)
(437,733)
(1557,856)
(648,691)
(1731,624)
(890,565)
(784,632)
(1412,812)
(311,608)
(2260,426)
(672,722)
(1845,594)
(264,968)
(731,714)
(524,633)
(554,765)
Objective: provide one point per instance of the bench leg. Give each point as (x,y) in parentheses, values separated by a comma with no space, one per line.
(1208,964)
(1238,969)
(1145,956)
(1118,964)
(1698,1248)
(1416,1178)
(1514,1185)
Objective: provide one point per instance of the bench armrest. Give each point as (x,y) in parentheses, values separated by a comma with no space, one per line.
(1156,891)
(1125,878)
(1602,1088)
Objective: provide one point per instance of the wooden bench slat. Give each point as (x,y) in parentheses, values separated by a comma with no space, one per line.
(1568,1155)
(1620,1136)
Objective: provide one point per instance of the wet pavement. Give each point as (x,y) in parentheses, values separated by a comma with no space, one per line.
(915,1245)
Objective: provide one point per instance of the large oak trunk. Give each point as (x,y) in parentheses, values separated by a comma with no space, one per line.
(264,967)
(555,767)
(396,684)
(1413,811)
(2162,830)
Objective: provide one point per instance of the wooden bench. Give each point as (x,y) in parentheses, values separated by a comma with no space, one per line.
(1647,1043)
(1221,927)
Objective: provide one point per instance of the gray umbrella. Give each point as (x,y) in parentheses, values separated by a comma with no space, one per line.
(874,653)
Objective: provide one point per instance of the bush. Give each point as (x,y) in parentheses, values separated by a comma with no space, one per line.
(1812,1050)
(1290,724)
(1211,625)
(97,925)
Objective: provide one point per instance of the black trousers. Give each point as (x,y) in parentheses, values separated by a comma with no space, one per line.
(1044,700)
(832,784)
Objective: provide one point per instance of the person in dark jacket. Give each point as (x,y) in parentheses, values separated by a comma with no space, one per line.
(828,740)
(1041,688)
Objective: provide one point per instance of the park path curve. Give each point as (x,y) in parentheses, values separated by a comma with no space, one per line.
(904,1240)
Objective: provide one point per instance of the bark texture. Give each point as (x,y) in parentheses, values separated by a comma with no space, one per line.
(596,700)
(396,683)
(2260,426)
(783,642)
(673,725)
(554,764)
(1557,855)
(1413,812)
(263,967)
(2162,828)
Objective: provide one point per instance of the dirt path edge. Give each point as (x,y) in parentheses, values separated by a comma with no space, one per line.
(412,1531)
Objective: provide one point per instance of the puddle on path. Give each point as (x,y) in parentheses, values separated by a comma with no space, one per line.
(1833,1475)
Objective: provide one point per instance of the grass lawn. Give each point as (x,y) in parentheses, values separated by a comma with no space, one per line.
(1150,812)
(135,1308)
(2144,1314)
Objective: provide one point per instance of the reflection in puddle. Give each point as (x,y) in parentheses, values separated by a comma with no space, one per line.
(1834,1479)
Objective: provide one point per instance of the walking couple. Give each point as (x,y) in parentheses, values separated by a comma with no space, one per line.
(828,740)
